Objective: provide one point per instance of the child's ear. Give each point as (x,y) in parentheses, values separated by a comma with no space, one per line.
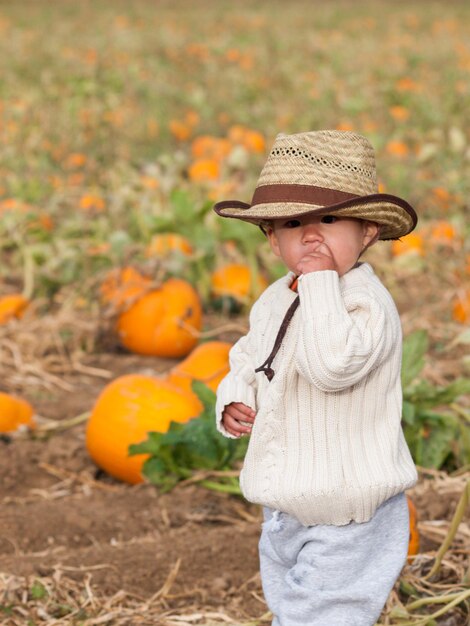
(271,235)
(371,233)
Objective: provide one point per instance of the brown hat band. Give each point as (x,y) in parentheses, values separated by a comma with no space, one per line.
(305,194)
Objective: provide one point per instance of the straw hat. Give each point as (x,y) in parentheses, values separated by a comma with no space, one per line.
(325,171)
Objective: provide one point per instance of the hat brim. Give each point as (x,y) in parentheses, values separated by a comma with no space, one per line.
(396,217)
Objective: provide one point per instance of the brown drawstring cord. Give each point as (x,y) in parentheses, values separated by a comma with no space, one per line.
(266,367)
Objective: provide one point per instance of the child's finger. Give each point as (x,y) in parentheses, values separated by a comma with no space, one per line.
(244,408)
(237,424)
(239,414)
(243,417)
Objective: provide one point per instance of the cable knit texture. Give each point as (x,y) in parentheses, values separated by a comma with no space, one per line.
(327,445)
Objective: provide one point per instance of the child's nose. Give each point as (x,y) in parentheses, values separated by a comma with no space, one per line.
(312,232)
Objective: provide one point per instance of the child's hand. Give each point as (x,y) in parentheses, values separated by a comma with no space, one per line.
(238,418)
(317,260)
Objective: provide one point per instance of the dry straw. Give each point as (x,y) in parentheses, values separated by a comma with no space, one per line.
(48,351)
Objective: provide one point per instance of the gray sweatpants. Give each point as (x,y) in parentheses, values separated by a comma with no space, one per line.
(332,575)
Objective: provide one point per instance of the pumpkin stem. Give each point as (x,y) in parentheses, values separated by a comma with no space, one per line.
(58,425)
(436,600)
(221,487)
(427,619)
(215,332)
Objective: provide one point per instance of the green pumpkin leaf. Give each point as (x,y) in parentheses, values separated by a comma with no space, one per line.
(205,395)
(426,396)
(150,446)
(415,347)
(408,412)
(436,436)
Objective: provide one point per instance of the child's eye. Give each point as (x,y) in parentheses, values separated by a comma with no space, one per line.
(329,219)
(291,224)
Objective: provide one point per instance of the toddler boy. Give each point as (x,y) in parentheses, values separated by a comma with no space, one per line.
(316,383)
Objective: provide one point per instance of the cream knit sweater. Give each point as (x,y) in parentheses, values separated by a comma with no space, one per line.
(327,445)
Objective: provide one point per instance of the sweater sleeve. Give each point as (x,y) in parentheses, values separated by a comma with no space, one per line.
(339,344)
(239,385)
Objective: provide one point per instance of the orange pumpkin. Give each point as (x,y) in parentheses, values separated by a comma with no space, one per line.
(410,244)
(204,170)
(92,202)
(122,286)
(12,306)
(397,148)
(236,280)
(163,322)
(251,140)
(125,411)
(14,413)
(163,244)
(254,141)
(208,363)
(461,308)
(413,545)
(209,147)
(443,233)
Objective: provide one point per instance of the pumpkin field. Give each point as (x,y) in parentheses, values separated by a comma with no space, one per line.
(121,291)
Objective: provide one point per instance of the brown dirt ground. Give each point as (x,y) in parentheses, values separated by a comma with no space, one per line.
(62,519)
(60,513)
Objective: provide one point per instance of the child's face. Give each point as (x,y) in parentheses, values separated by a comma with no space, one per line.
(320,242)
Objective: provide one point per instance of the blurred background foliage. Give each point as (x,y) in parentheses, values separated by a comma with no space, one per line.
(102,104)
